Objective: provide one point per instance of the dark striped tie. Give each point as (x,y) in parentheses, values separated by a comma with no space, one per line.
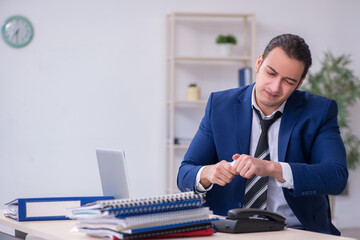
(256,187)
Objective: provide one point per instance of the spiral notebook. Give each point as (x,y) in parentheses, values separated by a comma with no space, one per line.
(139,206)
(148,220)
(201,228)
(164,215)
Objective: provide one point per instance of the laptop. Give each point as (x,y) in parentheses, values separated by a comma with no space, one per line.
(113,173)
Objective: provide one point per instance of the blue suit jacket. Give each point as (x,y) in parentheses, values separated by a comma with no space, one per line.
(309,140)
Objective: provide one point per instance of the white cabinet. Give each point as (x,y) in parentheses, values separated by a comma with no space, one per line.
(193,57)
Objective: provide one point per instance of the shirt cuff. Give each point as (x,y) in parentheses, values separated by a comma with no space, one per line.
(287,175)
(198,186)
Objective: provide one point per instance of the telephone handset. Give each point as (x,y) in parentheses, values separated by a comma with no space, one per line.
(242,220)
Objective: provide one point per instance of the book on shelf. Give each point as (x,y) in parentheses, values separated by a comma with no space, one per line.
(182,141)
(49,208)
(245,76)
(171,215)
(179,141)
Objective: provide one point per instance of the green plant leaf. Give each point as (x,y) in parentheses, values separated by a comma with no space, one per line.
(226,39)
(337,81)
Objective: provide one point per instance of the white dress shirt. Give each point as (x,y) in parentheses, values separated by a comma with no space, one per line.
(276,201)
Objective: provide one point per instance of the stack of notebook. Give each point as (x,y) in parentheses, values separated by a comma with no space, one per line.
(172,215)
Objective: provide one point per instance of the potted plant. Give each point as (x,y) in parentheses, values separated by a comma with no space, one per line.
(337,81)
(226,43)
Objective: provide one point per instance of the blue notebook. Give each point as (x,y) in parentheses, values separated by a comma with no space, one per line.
(193,229)
(169,226)
(171,202)
(139,206)
(32,209)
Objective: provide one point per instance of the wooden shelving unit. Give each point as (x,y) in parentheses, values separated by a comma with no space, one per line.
(244,25)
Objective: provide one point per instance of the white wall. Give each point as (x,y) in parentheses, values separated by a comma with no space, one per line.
(93,76)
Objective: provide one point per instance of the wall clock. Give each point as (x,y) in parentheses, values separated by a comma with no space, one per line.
(17,31)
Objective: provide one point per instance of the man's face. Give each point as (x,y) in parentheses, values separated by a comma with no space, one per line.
(278,76)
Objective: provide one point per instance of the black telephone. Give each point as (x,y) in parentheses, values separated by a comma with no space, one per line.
(243,220)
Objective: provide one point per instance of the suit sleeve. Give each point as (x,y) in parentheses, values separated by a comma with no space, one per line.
(326,170)
(201,152)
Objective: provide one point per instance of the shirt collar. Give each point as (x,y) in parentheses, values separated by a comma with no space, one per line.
(253,103)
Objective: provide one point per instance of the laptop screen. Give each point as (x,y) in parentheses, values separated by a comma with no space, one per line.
(113,173)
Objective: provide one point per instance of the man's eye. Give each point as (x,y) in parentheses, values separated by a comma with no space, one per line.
(290,82)
(271,73)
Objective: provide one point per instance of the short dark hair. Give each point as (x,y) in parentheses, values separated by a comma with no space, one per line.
(294,46)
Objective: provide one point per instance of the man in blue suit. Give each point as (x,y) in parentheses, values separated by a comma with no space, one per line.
(307,154)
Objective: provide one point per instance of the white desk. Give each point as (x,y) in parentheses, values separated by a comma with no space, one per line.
(60,230)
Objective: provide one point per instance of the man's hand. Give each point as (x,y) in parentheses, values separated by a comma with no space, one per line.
(248,166)
(221,173)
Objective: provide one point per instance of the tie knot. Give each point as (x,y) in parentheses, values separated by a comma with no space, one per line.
(266,123)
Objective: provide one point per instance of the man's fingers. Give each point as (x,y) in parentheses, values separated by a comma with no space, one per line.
(226,176)
(245,168)
(237,159)
(229,168)
(235,156)
(241,165)
(223,173)
(220,182)
(225,166)
(220,179)
(226,171)
(249,174)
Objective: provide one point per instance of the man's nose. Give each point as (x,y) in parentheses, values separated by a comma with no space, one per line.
(276,85)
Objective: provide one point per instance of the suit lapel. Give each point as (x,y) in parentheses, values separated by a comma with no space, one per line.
(292,112)
(243,117)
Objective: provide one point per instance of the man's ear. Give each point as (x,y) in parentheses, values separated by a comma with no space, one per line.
(258,62)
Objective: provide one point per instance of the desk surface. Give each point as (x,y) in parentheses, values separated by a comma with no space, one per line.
(60,230)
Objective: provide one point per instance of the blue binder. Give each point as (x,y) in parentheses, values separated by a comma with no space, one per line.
(245,76)
(35,209)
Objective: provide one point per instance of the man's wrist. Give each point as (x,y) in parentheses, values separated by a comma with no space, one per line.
(204,181)
(287,175)
(276,172)
(198,186)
